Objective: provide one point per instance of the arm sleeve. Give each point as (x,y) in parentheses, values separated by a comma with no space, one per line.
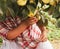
(3,31)
(9,24)
(35,32)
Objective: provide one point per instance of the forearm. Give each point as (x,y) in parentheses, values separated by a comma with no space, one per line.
(17,31)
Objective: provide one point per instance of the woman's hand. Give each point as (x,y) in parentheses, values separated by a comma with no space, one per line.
(31,20)
(43,36)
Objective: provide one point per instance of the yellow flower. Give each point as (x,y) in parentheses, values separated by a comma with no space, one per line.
(46,1)
(31,1)
(21,2)
(38,17)
(52,2)
(31,14)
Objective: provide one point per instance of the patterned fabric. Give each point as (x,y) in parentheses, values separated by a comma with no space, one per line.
(9,24)
(28,39)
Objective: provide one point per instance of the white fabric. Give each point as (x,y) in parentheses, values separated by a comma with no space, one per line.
(12,45)
(9,45)
(45,45)
(35,32)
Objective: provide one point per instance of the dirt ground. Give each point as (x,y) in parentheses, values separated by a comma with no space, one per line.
(56,44)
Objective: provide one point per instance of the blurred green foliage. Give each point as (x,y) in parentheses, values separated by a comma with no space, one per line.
(54,32)
(53,27)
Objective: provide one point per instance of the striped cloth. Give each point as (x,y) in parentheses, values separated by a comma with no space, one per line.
(28,39)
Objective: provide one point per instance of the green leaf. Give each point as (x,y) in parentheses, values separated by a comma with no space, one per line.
(58,23)
(24,12)
(11,11)
(59,9)
(3,5)
(1,12)
(2,18)
(56,14)
(1,40)
(31,7)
